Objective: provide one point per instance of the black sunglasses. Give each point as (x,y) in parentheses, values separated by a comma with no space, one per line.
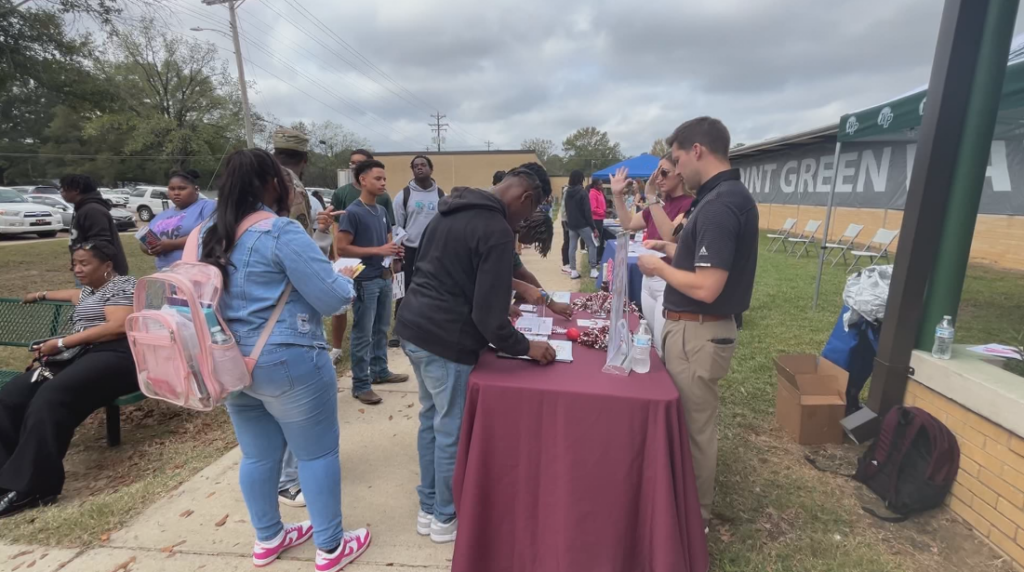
(664,173)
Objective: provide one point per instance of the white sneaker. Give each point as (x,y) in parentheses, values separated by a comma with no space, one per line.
(593,273)
(336,355)
(352,546)
(423,523)
(574,275)
(443,533)
(566,269)
(292,496)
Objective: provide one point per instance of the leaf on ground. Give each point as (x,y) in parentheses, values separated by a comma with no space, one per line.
(123,567)
(211,494)
(222,521)
(30,565)
(105,537)
(725,534)
(362,411)
(186,514)
(410,406)
(173,546)
(390,417)
(20,554)
(17,567)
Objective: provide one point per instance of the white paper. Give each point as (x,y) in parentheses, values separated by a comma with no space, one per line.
(563,350)
(528,307)
(639,250)
(534,325)
(561,297)
(345,263)
(398,286)
(397,236)
(592,323)
(997,350)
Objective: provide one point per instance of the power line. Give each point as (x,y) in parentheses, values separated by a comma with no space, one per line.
(65,156)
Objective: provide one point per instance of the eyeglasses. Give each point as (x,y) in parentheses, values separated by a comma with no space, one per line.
(664,173)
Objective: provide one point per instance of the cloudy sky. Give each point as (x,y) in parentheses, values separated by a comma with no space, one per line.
(507,70)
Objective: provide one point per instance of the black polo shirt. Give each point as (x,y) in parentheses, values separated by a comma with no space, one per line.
(721,232)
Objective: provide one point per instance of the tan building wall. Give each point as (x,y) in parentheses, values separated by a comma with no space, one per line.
(455,168)
(989,489)
(997,238)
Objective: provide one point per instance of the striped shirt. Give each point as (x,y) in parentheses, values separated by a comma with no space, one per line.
(89,313)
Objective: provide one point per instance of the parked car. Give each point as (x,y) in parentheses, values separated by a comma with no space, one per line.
(44,190)
(147,201)
(124,219)
(121,191)
(113,199)
(67,212)
(22,190)
(20,216)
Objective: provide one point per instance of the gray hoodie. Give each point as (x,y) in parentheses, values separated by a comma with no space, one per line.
(422,207)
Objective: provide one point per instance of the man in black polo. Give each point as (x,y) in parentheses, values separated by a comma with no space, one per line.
(710,280)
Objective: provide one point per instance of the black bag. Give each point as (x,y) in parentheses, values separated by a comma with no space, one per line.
(911,465)
(405,197)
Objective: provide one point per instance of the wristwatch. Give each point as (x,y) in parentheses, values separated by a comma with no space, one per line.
(547,297)
(60,345)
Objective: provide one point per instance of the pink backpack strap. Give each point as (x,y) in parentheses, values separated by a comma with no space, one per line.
(191,250)
(269,328)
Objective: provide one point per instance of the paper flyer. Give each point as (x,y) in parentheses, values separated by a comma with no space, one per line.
(534,325)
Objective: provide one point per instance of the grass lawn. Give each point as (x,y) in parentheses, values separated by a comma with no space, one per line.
(773,511)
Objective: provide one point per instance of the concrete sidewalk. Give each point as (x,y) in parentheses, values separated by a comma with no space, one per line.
(204,525)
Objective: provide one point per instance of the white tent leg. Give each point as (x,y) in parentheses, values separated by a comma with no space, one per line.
(828,221)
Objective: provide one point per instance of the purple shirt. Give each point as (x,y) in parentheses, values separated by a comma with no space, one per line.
(173,224)
(674,206)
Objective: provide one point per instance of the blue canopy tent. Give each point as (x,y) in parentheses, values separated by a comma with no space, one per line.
(640,167)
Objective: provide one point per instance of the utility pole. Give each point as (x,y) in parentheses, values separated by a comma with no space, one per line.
(438,128)
(246,113)
(488,143)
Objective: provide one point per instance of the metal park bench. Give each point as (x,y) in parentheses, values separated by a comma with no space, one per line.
(21,324)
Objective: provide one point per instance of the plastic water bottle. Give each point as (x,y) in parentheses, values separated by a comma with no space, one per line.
(217,335)
(944,332)
(642,348)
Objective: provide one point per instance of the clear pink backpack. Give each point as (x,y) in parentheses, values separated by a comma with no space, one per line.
(183,351)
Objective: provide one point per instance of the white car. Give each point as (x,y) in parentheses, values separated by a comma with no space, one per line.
(113,199)
(67,212)
(20,216)
(148,201)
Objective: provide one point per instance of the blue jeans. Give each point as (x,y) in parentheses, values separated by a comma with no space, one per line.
(289,471)
(371,311)
(291,403)
(442,400)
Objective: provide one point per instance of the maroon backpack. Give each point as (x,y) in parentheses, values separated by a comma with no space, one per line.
(911,465)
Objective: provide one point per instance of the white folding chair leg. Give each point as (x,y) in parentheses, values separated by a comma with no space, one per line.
(804,249)
(779,241)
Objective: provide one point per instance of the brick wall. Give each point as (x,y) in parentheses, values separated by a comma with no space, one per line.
(989,489)
(997,238)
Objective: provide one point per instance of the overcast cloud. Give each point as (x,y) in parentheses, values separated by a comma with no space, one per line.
(507,70)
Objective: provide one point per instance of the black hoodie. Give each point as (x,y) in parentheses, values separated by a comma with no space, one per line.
(459,301)
(92,223)
(577,209)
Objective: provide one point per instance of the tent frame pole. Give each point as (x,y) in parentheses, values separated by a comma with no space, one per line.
(828,223)
(960,40)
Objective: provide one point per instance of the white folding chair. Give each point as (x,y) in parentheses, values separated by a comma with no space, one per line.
(806,238)
(844,243)
(780,236)
(883,238)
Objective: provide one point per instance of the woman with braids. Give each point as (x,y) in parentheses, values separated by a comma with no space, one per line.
(77,374)
(293,397)
(174,225)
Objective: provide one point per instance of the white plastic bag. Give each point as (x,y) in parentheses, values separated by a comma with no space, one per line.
(866,293)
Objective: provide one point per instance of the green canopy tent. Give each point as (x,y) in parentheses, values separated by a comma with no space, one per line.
(898,120)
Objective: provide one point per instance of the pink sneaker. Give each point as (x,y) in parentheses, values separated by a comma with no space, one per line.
(352,546)
(293,535)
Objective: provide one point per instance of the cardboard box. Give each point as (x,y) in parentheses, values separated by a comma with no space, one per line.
(811,398)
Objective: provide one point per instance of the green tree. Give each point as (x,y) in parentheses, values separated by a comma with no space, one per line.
(659,148)
(330,146)
(590,149)
(542,147)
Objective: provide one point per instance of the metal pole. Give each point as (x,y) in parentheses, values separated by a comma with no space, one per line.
(246,113)
(961,33)
(828,222)
(947,283)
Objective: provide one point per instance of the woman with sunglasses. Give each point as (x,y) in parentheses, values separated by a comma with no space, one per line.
(77,374)
(174,225)
(293,399)
(667,207)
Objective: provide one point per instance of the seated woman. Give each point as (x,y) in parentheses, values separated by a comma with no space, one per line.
(40,410)
(174,225)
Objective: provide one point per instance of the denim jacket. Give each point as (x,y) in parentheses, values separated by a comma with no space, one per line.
(265,259)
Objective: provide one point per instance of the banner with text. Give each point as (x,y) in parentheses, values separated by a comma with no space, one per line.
(872,175)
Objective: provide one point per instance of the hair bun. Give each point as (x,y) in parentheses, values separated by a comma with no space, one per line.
(193,173)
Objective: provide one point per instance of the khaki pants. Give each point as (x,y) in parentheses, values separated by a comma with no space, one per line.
(697,356)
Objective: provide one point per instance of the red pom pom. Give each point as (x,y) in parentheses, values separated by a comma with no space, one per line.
(573,334)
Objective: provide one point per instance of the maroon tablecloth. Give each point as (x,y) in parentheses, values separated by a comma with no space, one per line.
(564,468)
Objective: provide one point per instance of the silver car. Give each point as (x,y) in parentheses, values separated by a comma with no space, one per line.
(67,212)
